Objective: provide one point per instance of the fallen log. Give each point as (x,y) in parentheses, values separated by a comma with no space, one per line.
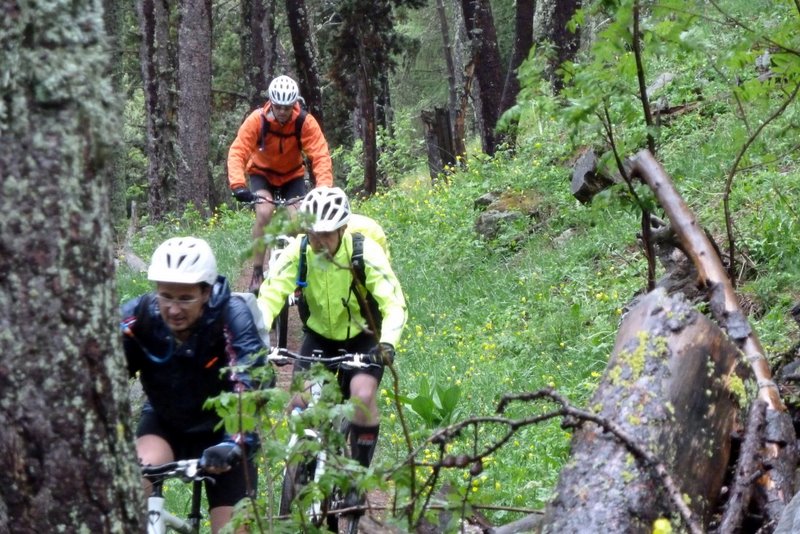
(675,384)
(779,450)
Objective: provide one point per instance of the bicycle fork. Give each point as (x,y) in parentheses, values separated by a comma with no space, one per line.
(159,518)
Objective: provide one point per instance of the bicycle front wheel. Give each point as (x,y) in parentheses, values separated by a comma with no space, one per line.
(296,477)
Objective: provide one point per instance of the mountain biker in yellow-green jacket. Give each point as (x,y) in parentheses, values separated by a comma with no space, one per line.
(335,320)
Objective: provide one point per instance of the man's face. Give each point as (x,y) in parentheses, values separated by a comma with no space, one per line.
(325,241)
(282,113)
(181,305)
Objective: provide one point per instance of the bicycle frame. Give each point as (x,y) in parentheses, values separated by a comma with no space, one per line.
(320,509)
(159,519)
(316,511)
(281,242)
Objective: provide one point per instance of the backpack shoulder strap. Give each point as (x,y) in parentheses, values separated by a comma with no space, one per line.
(298,127)
(357,259)
(302,268)
(262,134)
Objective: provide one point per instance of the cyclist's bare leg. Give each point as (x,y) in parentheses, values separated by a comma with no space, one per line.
(152,450)
(364,428)
(363,391)
(264,212)
(220,516)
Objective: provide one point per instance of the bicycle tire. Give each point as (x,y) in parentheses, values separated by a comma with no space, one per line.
(295,478)
(343,523)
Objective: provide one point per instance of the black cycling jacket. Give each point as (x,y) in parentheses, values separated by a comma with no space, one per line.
(178,379)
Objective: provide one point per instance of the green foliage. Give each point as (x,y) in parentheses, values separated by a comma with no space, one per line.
(436,405)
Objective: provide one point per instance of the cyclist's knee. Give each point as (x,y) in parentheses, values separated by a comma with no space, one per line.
(153,450)
(264,213)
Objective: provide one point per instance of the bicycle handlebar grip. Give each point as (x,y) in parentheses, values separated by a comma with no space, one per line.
(383,354)
(243,194)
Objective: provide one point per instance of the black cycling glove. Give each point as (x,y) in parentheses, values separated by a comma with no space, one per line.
(221,457)
(243,194)
(383,354)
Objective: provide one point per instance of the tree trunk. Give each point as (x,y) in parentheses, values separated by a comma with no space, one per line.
(305,54)
(158,68)
(523,41)
(674,384)
(779,449)
(550,25)
(383,104)
(194,103)
(439,141)
(257,40)
(67,462)
(366,105)
(463,78)
(452,90)
(488,70)
(114,20)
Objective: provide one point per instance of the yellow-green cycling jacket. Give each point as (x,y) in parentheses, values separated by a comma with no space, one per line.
(334,311)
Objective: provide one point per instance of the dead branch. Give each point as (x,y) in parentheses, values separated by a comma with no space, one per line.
(746,472)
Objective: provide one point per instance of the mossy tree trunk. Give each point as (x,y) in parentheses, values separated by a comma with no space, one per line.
(676,385)
(67,462)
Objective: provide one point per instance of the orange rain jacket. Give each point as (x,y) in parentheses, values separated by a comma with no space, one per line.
(281,160)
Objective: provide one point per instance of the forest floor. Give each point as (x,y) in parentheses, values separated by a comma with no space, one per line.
(377,500)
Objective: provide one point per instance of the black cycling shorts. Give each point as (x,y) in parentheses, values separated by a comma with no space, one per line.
(227,488)
(362,343)
(293,189)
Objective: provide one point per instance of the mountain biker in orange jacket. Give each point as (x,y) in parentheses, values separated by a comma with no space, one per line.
(266,148)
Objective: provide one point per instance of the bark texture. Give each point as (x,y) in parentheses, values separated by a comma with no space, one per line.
(523,41)
(158,78)
(550,25)
(194,103)
(455,113)
(488,69)
(258,40)
(67,462)
(305,54)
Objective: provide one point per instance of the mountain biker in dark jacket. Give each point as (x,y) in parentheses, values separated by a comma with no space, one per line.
(178,339)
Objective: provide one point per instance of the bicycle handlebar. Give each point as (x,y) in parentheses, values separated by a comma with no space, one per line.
(282,356)
(186,470)
(258,199)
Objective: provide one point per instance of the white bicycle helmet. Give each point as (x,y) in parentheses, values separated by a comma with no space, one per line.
(183,260)
(329,206)
(283,91)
